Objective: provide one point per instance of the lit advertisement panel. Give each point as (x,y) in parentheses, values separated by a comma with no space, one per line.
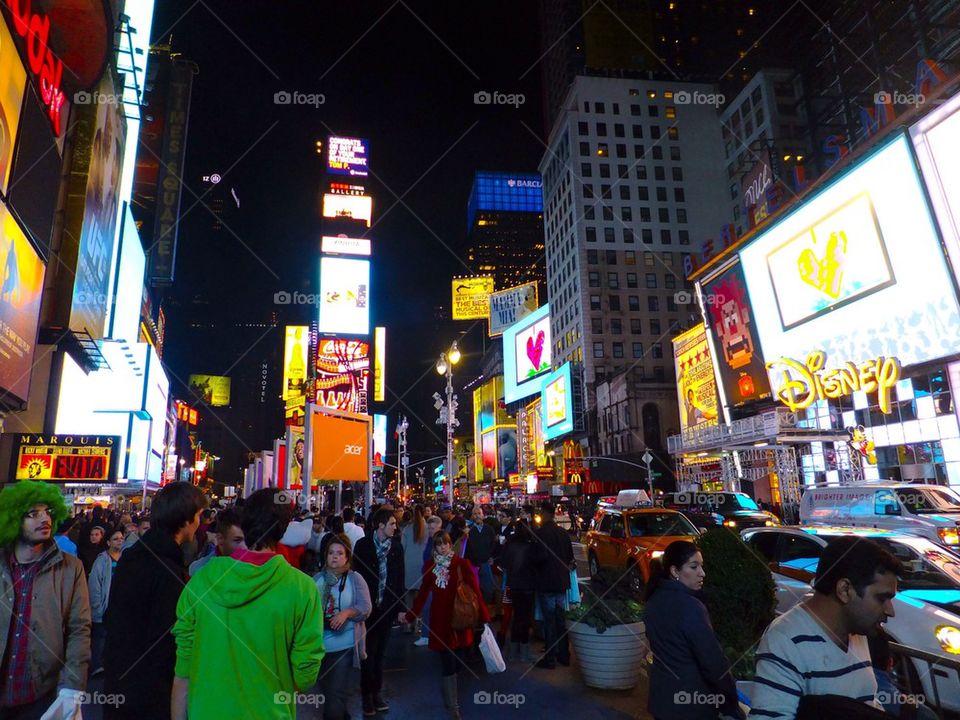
(65,458)
(696,388)
(345,245)
(379,364)
(353,207)
(20,295)
(527,355)
(556,402)
(344,306)
(914,318)
(296,356)
(511,306)
(379,439)
(214,390)
(343,374)
(347,156)
(124,321)
(471,297)
(13,80)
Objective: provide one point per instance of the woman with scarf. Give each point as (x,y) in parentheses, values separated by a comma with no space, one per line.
(346,604)
(441,578)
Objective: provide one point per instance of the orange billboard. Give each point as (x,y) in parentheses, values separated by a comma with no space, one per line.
(341,448)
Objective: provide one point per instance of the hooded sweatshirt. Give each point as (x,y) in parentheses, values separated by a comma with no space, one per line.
(249,635)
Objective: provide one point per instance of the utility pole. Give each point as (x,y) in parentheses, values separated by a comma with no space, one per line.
(402,458)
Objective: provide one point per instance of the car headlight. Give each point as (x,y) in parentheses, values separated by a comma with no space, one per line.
(768,523)
(949,536)
(730,523)
(949,638)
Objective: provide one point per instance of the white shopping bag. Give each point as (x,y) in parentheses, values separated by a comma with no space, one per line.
(66,706)
(491,651)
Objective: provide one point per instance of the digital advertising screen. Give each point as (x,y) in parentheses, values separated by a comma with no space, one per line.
(13,80)
(873,284)
(345,245)
(347,156)
(344,296)
(379,439)
(340,448)
(343,374)
(696,388)
(20,295)
(740,362)
(296,353)
(353,207)
(379,364)
(214,390)
(510,306)
(471,297)
(527,355)
(556,403)
(65,458)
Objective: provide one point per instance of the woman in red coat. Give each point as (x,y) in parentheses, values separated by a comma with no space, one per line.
(440,579)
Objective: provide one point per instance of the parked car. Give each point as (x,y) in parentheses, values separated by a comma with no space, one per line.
(931,511)
(734,510)
(927,603)
(627,539)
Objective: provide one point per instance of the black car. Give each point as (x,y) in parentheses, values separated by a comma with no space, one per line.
(737,511)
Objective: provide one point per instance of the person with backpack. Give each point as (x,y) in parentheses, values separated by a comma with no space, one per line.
(456,608)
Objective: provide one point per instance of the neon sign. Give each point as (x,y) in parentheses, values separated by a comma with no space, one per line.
(804,384)
(45,66)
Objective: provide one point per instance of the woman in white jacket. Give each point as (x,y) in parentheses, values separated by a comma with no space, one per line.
(100,575)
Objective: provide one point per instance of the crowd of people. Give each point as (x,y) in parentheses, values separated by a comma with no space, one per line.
(190,611)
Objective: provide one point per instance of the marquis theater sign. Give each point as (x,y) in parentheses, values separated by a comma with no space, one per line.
(65,458)
(64,44)
(802,384)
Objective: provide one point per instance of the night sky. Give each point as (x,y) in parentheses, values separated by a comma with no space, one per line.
(403,75)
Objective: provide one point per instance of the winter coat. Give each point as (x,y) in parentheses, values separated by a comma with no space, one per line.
(518,559)
(442,636)
(687,657)
(59,644)
(101,574)
(365,563)
(413,558)
(480,544)
(143,607)
(554,558)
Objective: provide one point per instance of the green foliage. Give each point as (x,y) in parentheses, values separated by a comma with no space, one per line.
(740,596)
(606,605)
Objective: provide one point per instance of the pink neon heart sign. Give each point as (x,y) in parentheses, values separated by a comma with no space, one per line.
(535,349)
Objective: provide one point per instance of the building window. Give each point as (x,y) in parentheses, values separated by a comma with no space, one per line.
(635,326)
(611,257)
(659,173)
(595,302)
(615,302)
(609,235)
(654,111)
(657,153)
(677,174)
(675,152)
(635,110)
(671,304)
(678,195)
(670,281)
(613,280)
(641,172)
(681,215)
(584,149)
(591,234)
(655,132)
(589,213)
(653,303)
(673,133)
(587,190)
(637,349)
(621,150)
(628,236)
(631,280)
(630,257)
(599,108)
(665,237)
(646,234)
(608,213)
(601,129)
(598,352)
(622,172)
(586,170)
(593,279)
(684,237)
(651,280)
(583,128)
(624,192)
(644,214)
(586,106)
(671,112)
(602,150)
(592,257)
(633,302)
(664,215)
(648,260)
(616,108)
(618,130)
(604,170)
(655,328)
(626,213)
(637,132)
(643,192)
(605,192)
(597,326)
(661,194)
(656,350)
(618,349)
(616,326)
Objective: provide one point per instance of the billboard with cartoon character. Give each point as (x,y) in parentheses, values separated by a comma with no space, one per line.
(739,360)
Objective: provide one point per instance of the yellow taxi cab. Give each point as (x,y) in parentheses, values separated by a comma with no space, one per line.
(627,534)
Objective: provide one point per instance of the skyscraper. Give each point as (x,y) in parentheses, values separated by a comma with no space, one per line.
(505,229)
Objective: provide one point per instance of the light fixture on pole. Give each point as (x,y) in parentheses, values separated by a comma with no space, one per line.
(448,411)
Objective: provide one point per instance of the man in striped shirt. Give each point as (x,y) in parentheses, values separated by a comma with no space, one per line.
(819,647)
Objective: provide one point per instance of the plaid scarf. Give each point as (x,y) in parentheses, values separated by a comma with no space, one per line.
(441,569)
(382,549)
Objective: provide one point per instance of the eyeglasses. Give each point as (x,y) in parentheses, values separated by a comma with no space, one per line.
(37,514)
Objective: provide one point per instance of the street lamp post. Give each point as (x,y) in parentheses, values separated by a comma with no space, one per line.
(448,413)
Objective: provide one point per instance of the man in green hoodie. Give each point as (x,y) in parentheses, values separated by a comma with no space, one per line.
(249,627)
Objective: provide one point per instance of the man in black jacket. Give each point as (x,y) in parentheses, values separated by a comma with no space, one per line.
(140,652)
(378,557)
(554,562)
(481,542)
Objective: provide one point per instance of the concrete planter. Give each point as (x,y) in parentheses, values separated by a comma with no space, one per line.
(609,660)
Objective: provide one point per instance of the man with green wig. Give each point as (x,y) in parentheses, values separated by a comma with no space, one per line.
(44,605)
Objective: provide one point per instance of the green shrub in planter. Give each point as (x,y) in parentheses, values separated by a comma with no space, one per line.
(605,606)
(740,596)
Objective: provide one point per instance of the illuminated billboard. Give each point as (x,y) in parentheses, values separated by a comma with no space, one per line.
(296,356)
(352,207)
(510,306)
(379,364)
(19,306)
(344,299)
(65,458)
(340,448)
(347,156)
(527,355)
(345,245)
(343,374)
(379,439)
(471,297)
(696,387)
(13,80)
(214,390)
(556,402)
(853,311)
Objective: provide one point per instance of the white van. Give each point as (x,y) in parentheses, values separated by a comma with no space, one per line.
(930,511)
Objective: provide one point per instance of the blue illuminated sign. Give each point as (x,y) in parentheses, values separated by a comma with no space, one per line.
(556,403)
(527,355)
(504,192)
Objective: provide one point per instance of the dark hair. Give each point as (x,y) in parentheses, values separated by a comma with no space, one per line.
(143,519)
(419,525)
(381,517)
(547,511)
(265,518)
(227,519)
(335,524)
(676,554)
(338,539)
(175,505)
(347,515)
(442,536)
(859,560)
